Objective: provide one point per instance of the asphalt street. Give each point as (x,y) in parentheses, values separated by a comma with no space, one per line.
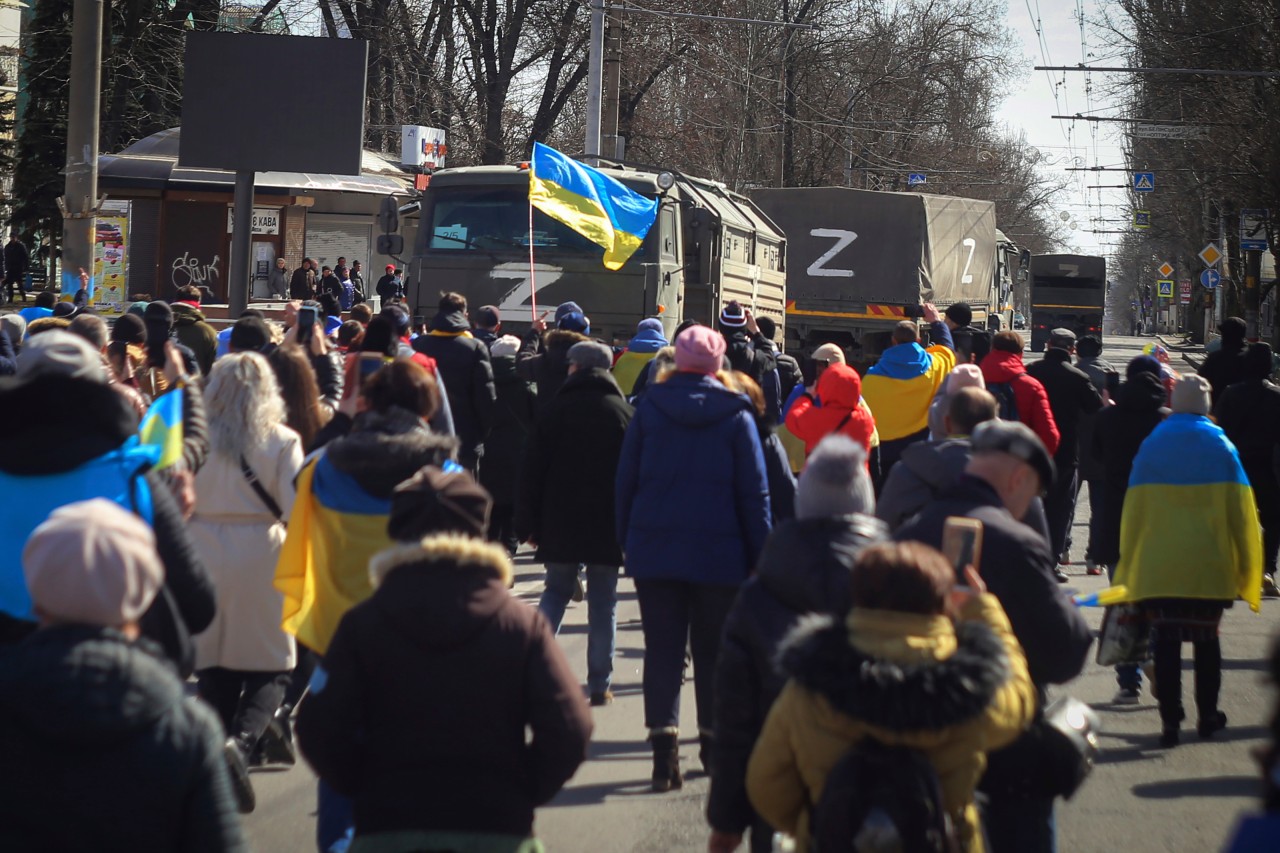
(1140,798)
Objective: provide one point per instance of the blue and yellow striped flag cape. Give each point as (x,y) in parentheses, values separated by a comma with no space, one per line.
(323,567)
(1190,527)
(161,428)
(591,203)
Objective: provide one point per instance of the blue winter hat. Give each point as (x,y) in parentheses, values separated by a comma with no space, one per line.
(649,324)
(574,321)
(649,337)
(1143,364)
(567,308)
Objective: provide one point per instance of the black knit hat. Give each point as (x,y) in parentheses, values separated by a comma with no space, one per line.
(432,501)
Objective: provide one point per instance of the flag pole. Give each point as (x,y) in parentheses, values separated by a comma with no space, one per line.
(533,285)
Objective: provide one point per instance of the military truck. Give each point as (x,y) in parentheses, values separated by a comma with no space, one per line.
(708,245)
(859,262)
(1067,292)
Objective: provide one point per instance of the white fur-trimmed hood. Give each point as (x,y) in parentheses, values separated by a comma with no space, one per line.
(453,548)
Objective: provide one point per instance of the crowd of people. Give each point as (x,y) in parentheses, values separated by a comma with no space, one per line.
(337,541)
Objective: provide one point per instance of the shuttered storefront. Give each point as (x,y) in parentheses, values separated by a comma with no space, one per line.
(330,237)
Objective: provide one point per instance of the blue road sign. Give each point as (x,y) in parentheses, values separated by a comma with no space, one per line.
(1144,182)
(916,179)
(1142,219)
(1210,279)
(1164,288)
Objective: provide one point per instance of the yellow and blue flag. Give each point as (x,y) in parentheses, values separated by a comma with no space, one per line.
(162,428)
(1190,527)
(323,567)
(591,203)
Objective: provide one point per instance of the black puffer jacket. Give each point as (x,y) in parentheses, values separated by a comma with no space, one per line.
(753,355)
(1225,368)
(514,414)
(102,752)
(546,361)
(804,569)
(383,731)
(566,496)
(463,363)
(1117,434)
(72,421)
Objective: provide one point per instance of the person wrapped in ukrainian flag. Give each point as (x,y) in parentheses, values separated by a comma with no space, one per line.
(1190,544)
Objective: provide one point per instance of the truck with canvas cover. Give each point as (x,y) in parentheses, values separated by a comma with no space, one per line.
(1067,292)
(707,246)
(859,261)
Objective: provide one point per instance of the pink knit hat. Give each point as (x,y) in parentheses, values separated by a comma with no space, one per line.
(700,350)
(965,376)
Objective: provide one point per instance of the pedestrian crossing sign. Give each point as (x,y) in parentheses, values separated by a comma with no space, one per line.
(1164,288)
(1144,182)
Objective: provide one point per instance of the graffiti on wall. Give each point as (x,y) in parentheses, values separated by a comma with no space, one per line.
(188,270)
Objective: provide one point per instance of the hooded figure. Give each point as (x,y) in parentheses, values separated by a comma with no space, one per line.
(840,390)
(648,339)
(804,569)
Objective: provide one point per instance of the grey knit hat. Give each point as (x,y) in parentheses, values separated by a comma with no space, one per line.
(835,480)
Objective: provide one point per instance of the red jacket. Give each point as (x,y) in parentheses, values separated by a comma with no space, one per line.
(839,389)
(1028,393)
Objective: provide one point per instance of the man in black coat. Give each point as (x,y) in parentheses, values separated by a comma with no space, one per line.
(15,265)
(971,344)
(1249,413)
(463,362)
(86,704)
(544,355)
(1071,396)
(1106,379)
(1010,466)
(749,351)
(1226,367)
(566,502)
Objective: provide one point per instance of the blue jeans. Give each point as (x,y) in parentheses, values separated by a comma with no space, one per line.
(334,817)
(602,614)
(1127,674)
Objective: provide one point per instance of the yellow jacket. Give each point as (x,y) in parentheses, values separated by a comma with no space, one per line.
(819,717)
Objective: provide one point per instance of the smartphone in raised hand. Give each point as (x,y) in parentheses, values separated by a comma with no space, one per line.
(962,543)
(307,318)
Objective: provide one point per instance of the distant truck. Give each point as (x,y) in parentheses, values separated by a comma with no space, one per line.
(859,262)
(1067,292)
(708,246)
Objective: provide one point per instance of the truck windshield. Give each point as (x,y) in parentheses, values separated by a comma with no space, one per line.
(495,219)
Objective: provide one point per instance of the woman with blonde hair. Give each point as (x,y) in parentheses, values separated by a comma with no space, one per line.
(244,495)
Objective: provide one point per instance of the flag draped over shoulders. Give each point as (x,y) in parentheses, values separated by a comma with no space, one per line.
(1190,527)
(901,385)
(323,569)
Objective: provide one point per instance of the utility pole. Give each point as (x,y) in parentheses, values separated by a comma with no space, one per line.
(611,145)
(79,205)
(1252,292)
(595,79)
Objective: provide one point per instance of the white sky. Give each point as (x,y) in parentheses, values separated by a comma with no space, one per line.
(1050,34)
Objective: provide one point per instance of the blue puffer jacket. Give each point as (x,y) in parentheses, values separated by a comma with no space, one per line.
(692,494)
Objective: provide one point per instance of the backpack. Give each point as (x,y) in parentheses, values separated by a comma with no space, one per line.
(882,799)
(1006,400)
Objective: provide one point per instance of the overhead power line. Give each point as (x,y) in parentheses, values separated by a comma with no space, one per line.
(1206,72)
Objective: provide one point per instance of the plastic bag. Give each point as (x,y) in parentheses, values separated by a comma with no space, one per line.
(1125,636)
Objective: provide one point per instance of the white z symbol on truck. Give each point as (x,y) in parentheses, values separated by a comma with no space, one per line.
(843,239)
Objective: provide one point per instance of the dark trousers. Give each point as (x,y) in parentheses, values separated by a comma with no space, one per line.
(891,452)
(1208,673)
(1060,506)
(1016,823)
(244,700)
(676,614)
(14,286)
(300,679)
(1096,498)
(502,527)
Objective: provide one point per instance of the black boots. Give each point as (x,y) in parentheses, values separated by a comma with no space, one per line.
(276,744)
(236,752)
(666,762)
(704,752)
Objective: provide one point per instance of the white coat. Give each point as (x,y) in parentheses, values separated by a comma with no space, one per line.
(239,539)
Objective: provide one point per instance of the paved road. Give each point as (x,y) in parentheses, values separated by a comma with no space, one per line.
(1141,799)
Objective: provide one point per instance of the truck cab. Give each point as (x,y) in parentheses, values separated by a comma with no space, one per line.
(478,235)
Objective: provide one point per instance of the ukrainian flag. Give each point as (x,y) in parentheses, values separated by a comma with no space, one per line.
(323,567)
(591,203)
(902,384)
(162,428)
(1190,526)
